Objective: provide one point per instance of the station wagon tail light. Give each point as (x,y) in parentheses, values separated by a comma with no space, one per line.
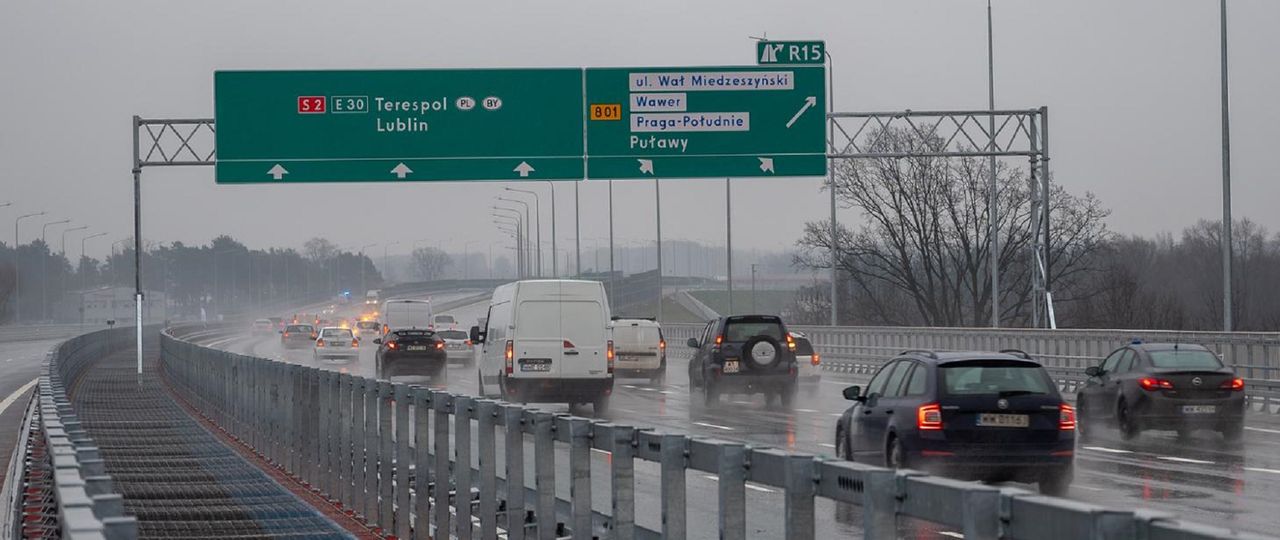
(815,360)
(1066,417)
(929,417)
(608,355)
(1152,384)
(319,342)
(440,345)
(1235,384)
(511,357)
(791,343)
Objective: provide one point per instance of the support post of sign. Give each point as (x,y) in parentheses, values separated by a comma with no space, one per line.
(137,242)
(555,254)
(728,241)
(831,185)
(993,225)
(577,232)
(657,204)
(612,273)
(1044,181)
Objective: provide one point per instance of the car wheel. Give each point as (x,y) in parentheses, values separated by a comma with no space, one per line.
(601,405)
(710,396)
(842,445)
(1128,424)
(1057,483)
(787,397)
(1084,427)
(1234,432)
(895,456)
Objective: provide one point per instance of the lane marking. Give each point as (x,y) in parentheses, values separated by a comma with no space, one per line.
(17,394)
(806,410)
(1090,488)
(760,489)
(836,414)
(826,445)
(1263,430)
(704,424)
(1107,450)
(952,534)
(1185,460)
(1260,469)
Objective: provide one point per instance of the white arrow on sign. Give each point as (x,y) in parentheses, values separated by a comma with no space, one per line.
(278,172)
(766,164)
(401,171)
(524,169)
(646,166)
(808,102)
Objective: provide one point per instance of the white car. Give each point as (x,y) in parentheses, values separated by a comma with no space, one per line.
(457,346)
(368,329)
(263,327)
(444,322)
(808,362)
(641,349)
(337,344)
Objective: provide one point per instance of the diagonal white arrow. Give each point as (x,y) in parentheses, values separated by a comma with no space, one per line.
(766,164)
(646,166)
(278,172)
(808,102)
(401,170)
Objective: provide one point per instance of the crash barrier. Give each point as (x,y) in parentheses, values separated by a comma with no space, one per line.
(860,350)
(420,463)
(67,488)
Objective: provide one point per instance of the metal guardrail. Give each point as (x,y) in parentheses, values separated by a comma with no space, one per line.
(84,503)
(1066,353)
(401,457)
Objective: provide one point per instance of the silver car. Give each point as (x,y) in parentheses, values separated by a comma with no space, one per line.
(336,343)
(457,346)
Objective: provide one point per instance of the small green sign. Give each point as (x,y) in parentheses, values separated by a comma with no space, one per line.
(706,122)
(790,52)
(401,125)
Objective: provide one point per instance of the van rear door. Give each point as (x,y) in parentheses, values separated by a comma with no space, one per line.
(568,335)
(539,345)
(584,329)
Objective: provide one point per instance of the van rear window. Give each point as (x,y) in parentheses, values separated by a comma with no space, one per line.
(994,377)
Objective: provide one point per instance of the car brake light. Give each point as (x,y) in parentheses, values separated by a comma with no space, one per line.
(791,343)
(608,354)
(662,345)
(1235,384)
(286,334)
(815,360)
(440,345)
(719,339)
(467,343)
(319,342)
(1152,384)
(929,417)
(391,345)
(1066,417)
(355,342)
(511,356)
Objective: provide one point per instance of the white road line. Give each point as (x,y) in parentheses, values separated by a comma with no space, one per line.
(704,424)
(806,410)
(1090,488)
(1107,450)
(837,415)
(16,394)
(666,392)
(1260,469)
(631,386)
(827,445)
(1185,460)
(952,534)
(1263,430)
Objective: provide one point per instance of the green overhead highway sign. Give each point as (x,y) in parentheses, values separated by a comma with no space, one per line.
(402,125)
(706,122)
(790,52)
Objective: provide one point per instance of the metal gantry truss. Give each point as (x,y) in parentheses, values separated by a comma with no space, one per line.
(174,142)
(966,133)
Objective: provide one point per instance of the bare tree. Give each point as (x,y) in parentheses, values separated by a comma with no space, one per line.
(429,263)
(319,249)
(922,254)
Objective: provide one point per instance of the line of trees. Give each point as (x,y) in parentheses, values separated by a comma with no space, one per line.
(223,276)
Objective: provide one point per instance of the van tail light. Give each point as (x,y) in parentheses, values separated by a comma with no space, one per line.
(1152,384)
(662,345)
(355,342)
(791,343)
(320,343)
(511,357)
(1235,384)
(608,355)
(1066,417)
(815,360)
(929,417)
(568,344)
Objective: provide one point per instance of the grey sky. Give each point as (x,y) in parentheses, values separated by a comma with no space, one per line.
(1132,89)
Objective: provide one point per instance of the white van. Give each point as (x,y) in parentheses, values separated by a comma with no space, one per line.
(641,349)
(406,315)
(371,297)
(547,341)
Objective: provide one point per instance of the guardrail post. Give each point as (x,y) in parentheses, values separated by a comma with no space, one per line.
(673,486)
(421,463)
(544,472)
(311,452)
(293,431)
(622,483)
(879,505)
(345,448)
(981,519)
(402,509)
(733,495)
(462,407)
(372,450)
(513,416)
(386,497)
(485,412)
(359,456)
(580,477)
(799,497)
(440,405)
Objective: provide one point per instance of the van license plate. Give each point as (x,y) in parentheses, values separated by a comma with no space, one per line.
(1003,420)
(1199,409)
(535,367)
(730,366)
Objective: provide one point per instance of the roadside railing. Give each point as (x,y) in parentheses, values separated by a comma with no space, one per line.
(68,486)
(423,463)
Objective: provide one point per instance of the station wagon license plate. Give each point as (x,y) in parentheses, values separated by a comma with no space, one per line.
(1004,420)
(416,348)
(1199,409)
(731,366)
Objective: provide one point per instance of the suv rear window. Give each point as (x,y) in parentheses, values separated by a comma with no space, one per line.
(299,328)
(993,377)
(1190,359)
(745,329)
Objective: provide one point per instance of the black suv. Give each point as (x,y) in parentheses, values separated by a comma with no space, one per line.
(411,352)
(744,354)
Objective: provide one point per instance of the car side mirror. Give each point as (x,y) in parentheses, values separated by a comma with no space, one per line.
(377,341)
(279,331)
(476,335)
(1093,371)
(853,393)
(693,343)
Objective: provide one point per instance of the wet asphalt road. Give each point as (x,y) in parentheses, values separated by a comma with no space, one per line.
(1200,479)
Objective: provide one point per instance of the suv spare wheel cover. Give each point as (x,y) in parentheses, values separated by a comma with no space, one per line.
(762,351)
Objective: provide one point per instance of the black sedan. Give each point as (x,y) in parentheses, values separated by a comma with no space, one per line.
(1162,386)
(973,415)
(411,352)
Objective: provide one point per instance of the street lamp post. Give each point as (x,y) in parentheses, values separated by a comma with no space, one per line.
(385,249)
(466,259)
(17,274)
(44,269)
(536,222)
(62,248)
(83,283)
(753,288)
(503,221)
(523,239)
